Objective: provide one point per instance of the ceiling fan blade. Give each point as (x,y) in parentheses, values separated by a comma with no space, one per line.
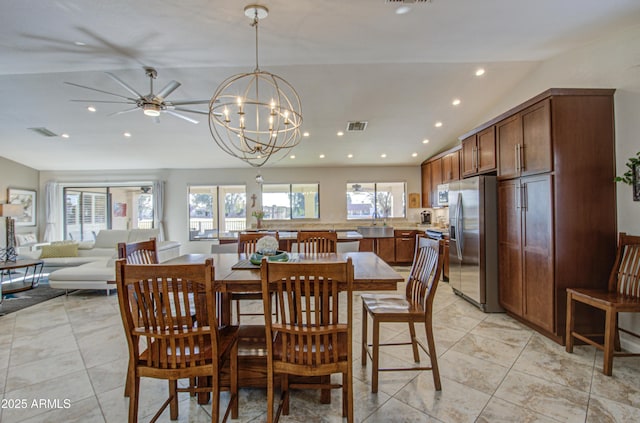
(185,102)
(124,84)
(178,115)
(100,91)
(168,89)
(181,109)
(133,109)
(105,101)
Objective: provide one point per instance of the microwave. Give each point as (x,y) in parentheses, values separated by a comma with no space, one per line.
(442,199)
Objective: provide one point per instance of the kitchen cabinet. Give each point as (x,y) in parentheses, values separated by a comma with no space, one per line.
(384,248)
(405,243)
(524,142)
(436,175)
(556,204)
(525,238)
(426,184)
(479,152)
(451,167)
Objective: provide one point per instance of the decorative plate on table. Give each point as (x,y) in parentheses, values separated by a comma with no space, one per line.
(256,258)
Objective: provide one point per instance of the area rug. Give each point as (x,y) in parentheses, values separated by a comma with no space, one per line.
(14,302)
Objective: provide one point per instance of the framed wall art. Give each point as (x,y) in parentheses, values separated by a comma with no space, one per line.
(27,198)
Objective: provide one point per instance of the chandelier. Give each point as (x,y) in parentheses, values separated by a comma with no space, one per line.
(254,116)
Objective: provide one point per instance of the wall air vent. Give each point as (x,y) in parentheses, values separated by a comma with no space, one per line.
(44,132)
(406,1)
(356,126)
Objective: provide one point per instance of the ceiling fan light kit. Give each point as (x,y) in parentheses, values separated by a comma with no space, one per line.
(257,115)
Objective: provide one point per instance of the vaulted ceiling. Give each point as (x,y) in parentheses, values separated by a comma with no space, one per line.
(355,60)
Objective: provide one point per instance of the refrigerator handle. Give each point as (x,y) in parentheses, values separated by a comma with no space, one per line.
(459,229)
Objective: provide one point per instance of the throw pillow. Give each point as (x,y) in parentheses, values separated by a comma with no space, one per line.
(26,239)
(59,250)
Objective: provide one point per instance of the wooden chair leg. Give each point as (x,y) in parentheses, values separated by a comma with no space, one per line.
(617,345)
(234,380)
(215,397)
(269,395)
(134,394)
(349,400)
(609,341)
(127,382)
(284,383)
(432,353)
(365,317)
(570,323)
(173,394)
(238,311)
(414,344)
(375,356)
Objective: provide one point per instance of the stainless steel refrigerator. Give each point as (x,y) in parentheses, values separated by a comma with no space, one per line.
(473,241)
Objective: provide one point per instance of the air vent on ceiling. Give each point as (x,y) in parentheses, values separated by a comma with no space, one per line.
(407,1)
(356,126)
(44,132)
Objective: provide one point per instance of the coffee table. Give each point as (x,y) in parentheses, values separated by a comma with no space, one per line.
(12,281)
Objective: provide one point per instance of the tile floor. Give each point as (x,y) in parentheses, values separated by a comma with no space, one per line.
(493,370)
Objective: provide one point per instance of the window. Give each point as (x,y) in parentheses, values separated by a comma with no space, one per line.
(382,200)
(290,201)
(215,209)
(91,209)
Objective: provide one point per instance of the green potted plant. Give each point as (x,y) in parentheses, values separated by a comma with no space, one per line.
(632,175)
(258,214)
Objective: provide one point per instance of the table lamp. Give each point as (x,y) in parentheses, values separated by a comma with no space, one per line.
(8,211)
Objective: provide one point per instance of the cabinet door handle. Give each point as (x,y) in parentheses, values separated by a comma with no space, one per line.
(521,156)
(474,157)
(517,158)
(525,199)
(518,196)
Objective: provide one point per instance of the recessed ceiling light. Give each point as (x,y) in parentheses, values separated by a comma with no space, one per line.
(91,109)
(293,156)
(127,134)
(425,141)
(414,155)
(438,124)
(322,156)
(65,135)
(479,72)
(306,134)
(402,10)
(383,155)
(456,101)
(350,156)
(340,133)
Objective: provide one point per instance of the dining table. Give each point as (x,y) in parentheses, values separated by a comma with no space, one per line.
(234,272)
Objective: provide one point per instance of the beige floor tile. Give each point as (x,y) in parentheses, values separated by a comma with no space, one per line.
(108,376)
(473,372)
(399,412)
(84,411)
(51,341)
(623,386)
(549,399)
(500,411)
(502,328)
(488,349)
(602,410)
(36,372)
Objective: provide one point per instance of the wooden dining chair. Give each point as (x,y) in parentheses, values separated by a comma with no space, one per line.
(622,295)
(311,242)
(416,306)
(308,336)
(178,329)
(247,242)
(142,252)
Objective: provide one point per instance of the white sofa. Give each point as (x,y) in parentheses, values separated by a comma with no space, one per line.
(94,265)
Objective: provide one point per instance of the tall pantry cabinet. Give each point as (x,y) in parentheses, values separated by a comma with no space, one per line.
(556,203)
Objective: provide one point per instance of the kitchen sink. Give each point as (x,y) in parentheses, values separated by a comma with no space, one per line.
(376,231)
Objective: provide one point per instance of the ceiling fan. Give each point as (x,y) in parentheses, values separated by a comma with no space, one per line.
(151,104)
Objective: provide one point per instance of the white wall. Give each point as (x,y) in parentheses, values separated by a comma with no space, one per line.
(15,175)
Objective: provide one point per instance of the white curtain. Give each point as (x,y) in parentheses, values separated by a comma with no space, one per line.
(50,210)
(158,208)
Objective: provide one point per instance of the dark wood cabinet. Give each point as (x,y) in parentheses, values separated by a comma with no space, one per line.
(479,152)
(386,249)
(426,184)
(556,204)
(525,237)
(451,167)
(436,175)
(405,242)
(524,142)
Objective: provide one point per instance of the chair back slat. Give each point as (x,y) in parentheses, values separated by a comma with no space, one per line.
(247,240)
(167,307)
(314,242)
(425,271)
(626,271)
(142,252)
(308,319)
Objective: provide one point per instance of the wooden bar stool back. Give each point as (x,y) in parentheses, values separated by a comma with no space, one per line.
(622,295)
(308,336)
(178,330)
(413,307)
